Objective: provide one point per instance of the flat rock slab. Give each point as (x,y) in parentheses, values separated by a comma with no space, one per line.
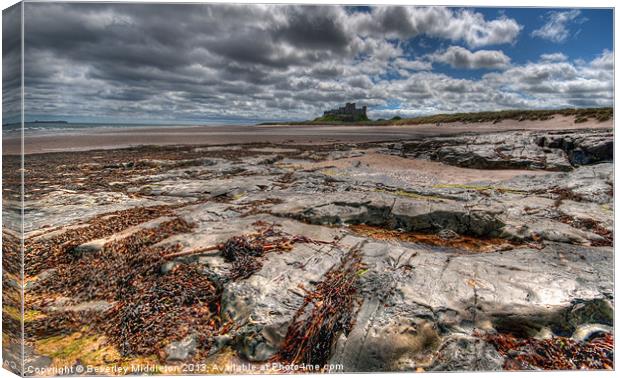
(60,208)
(422,297)
(98,244)
(418,301)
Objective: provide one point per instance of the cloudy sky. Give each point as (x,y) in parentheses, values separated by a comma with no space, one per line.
(248,63)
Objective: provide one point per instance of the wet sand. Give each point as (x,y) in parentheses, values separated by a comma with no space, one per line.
(280,134)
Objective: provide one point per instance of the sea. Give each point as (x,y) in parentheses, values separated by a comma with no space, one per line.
(75,128)
(41,128)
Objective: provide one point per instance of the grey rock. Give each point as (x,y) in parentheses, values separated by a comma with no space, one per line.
(554,151)
(62,305)
(599,310)
(219,342)
(266,310)
(520,291)
(385,340)
(581,148)
(61,208)
(466,353)
(168,266)
(544,333)
(380,209)
(586,332)
(98,244)
(181,350)
(31,360)
(38,362)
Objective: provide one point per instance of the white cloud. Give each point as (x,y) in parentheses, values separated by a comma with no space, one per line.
(554,57)
(460,57)
(556,28)
(462,25)
(541,84)
(413,65)
(558,84)
(605,61)
(360,81)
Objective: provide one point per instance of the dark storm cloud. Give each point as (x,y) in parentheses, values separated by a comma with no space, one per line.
(261,51)
(199,61)
(11,30)
(392,21)
(317,28)
(11,72)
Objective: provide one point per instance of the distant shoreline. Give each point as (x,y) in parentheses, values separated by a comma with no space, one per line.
(61,122)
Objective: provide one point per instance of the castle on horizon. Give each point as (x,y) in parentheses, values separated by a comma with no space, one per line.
(348,112)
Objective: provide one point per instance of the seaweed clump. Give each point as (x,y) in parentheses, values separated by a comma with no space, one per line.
(166,308)
(49,252)
(107,274)
(245,251)
(150,308)
(556,353)
(327,311)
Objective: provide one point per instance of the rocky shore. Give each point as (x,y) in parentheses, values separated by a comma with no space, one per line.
(461,252)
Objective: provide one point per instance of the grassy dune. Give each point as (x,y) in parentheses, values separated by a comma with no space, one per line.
(581,115)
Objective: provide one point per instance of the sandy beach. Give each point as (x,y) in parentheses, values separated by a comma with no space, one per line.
(213,135)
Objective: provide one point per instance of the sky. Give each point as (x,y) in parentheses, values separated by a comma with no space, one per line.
(223,63)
